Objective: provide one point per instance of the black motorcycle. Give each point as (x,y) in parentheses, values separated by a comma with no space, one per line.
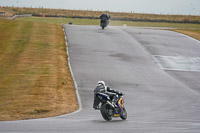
(104,22)
(108,110)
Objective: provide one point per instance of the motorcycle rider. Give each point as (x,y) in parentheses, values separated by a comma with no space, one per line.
(101,87)
(105,15)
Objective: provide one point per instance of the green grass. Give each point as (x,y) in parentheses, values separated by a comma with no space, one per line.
(77,21)
(192,30)
(157,24)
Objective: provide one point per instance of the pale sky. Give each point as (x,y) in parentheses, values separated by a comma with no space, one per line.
(186,7)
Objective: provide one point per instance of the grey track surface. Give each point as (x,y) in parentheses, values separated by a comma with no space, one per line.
(157,100)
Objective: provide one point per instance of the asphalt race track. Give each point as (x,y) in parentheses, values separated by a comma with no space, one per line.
(158,70)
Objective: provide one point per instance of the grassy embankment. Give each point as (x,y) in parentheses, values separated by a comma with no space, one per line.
(10,11)
(35,80)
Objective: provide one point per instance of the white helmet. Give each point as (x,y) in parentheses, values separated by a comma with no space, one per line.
(102,83)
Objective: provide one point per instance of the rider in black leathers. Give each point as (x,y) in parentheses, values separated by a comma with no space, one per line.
(105,15)
(101,87)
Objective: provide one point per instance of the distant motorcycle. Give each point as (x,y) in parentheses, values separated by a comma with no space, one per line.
(104,22)
(108,110)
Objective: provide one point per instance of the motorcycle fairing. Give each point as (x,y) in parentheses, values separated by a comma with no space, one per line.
(121,103)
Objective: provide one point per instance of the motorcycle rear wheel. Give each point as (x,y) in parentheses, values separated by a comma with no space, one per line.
(106,112)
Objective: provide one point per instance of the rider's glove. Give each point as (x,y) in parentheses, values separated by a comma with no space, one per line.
(120,93)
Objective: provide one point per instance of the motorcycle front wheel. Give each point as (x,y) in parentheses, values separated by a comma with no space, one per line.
(106,112)
(123,115)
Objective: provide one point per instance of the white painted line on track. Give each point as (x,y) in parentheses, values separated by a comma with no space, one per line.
(178,63)
(76,87)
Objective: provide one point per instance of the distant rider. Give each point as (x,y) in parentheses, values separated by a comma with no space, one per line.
(101,87)
(105,15)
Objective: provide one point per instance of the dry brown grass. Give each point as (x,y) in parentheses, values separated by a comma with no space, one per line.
(195,33)
(35,80)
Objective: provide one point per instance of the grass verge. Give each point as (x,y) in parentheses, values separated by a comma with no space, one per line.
(35,79)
